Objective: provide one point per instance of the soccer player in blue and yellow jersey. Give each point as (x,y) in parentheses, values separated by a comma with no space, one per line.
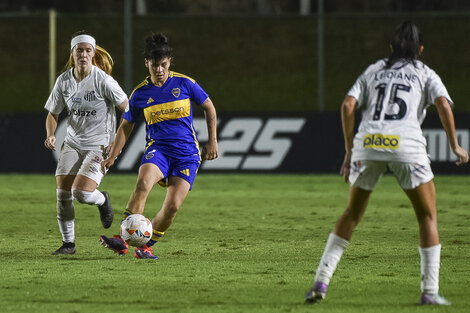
(172,155)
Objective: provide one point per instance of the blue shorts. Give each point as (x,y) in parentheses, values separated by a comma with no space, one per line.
(170,166)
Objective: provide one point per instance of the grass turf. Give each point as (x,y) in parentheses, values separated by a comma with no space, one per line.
(241,243)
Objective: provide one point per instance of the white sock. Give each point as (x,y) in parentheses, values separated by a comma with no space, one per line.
(89,197)
(430,263)
(66,215)
(67,229)
(330,258)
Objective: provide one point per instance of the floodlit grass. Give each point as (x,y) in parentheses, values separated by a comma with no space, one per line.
(241,243)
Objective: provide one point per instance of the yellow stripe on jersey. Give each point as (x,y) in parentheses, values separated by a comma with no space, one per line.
(167,111)
(174,74)
(196,142)
(149,143)
(145,82)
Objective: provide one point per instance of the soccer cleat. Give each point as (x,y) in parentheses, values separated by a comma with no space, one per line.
(316,293)
(66,248)
(116,244)
(144,252)
(106,211)
(433,298)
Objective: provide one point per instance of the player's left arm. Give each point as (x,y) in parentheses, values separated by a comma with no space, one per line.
(347,119)
(211,148)
(447,120)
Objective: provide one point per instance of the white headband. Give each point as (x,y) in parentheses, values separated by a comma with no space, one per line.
(83,38)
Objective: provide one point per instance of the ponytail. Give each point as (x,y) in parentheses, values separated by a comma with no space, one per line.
(406,43)
(103,60)
(157,47)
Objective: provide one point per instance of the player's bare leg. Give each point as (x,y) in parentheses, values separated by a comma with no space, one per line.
(358,200)
(177,191)
(149,175)
(337,242)
(423,199)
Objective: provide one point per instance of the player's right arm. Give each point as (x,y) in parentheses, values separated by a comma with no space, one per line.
(51,126)
(123,133)
(347,120)
(447,119)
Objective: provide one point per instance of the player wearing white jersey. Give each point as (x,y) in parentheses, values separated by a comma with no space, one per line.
(394,101)
(393,94)
(90,105)
(89,95)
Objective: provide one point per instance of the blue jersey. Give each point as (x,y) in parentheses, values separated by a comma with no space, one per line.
(168,115)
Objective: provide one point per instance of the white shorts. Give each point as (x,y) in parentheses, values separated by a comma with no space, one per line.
(84,162)
(366,174)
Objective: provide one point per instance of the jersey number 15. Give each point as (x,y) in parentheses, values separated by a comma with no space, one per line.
(394,99)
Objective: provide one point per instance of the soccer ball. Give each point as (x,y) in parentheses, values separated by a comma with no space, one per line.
(136,230)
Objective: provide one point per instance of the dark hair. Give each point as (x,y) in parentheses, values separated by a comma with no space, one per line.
(406,43)
(156,47)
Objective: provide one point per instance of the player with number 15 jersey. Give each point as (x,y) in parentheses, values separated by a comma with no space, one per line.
(393,94)
(393,110)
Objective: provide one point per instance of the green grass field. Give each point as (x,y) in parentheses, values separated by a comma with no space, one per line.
(241,243)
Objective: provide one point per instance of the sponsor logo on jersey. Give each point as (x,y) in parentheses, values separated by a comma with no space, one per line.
(176,92)
(86,114)
(379,141)
(167,111)
(90,96)
(76,101)
(150,100)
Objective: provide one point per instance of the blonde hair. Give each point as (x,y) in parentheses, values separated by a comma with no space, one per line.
(102,59)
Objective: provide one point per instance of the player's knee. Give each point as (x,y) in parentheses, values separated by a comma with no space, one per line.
(426,216)
(172,208)
(82,196)
(352,216)
(64,195)
(143,186)
(65,209)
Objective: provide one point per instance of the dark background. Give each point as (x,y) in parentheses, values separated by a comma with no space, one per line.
(249,55)
(253,57)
